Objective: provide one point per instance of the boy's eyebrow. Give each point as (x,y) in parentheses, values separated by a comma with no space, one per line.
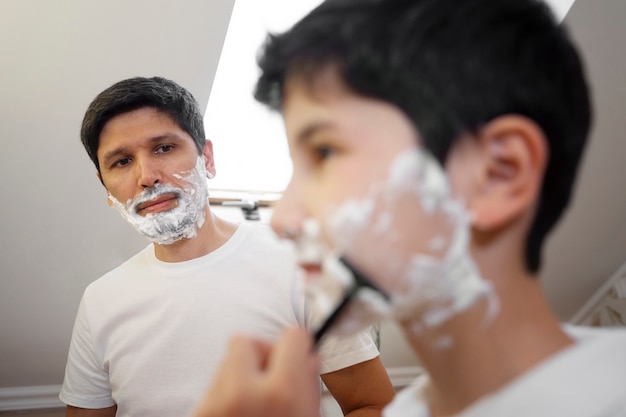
(307,133)
(114,153)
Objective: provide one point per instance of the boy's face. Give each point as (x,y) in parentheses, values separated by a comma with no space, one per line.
(340,144)
(378,199)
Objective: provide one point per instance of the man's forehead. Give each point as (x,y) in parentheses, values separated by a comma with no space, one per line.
(139,127)
(137,115)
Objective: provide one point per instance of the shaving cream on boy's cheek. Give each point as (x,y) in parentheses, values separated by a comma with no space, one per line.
(412,240)
(181,222)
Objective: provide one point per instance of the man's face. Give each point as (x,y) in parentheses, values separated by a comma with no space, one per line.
(153,173)
(377,198)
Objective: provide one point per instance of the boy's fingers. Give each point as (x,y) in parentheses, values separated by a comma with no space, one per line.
(245,354)
(256,378)
(293,350)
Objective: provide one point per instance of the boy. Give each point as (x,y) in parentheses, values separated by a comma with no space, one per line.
(436,143)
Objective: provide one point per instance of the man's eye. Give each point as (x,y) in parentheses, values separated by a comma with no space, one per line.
(121,162)
(164,148)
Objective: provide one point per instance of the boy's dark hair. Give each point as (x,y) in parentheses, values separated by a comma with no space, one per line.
(451,66)
(135,93)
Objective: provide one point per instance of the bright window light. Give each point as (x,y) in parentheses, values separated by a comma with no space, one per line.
(249,140)
(560,7)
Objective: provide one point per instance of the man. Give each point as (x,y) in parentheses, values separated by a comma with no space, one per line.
(436,143)
(149,334)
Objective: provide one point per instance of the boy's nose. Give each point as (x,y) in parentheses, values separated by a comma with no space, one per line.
(287,217)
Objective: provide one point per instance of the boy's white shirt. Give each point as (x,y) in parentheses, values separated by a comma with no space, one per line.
(587,379)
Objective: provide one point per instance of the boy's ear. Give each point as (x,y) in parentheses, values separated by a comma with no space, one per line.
(514,155)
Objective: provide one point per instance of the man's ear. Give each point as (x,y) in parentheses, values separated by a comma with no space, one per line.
(209,162)
(109,201)
(514,154)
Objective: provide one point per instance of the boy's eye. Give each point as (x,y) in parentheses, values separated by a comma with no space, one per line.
(322,152)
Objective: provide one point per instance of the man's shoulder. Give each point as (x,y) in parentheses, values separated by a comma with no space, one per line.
(126,269)
(261,236)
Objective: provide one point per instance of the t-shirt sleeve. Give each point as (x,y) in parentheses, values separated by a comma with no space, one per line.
(86,382)
(338,352)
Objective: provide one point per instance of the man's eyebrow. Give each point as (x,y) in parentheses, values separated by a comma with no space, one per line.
(166,137)
(114,153)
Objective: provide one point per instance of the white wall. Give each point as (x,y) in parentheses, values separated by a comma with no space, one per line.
(57,234)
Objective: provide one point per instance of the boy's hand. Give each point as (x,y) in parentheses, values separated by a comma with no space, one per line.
(260,380)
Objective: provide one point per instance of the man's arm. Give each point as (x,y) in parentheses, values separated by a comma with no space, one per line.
(361,390)
(71,411)
(85,377)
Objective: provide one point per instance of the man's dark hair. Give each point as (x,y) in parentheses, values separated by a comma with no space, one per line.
(134,93)
(451,66)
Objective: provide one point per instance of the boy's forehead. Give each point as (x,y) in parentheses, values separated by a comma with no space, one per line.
(317,85)
(324,96)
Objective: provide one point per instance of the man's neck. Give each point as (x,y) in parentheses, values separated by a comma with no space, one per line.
(484,355)
(213,234)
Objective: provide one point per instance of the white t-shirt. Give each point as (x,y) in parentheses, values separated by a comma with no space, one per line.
(149,335)
(585,380)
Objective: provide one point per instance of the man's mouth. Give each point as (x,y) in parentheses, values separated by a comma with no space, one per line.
(163,202)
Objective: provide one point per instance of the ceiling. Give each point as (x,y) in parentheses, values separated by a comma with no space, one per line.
(56,232)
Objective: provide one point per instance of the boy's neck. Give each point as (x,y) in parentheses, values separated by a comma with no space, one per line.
(485,356)
(214,232)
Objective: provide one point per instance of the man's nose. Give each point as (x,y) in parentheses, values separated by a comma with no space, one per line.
(149,175)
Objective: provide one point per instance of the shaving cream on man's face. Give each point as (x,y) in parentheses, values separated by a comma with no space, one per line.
(181,222)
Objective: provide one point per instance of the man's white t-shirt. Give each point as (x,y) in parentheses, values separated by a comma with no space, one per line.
(149,335)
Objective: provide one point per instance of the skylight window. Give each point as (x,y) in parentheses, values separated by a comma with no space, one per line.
(249,140)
